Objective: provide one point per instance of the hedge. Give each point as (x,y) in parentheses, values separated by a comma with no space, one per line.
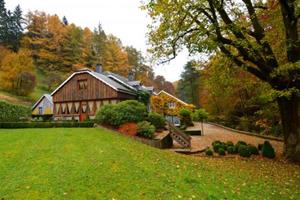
(13,113)
(16,125)
(123,112)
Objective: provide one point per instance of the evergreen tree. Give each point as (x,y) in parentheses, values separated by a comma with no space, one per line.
(188,86)
(99,43)
(3,23)
(65,21)
(17,29)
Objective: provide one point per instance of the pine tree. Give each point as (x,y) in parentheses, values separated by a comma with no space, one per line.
(17,29)
(3,23)
(65,21)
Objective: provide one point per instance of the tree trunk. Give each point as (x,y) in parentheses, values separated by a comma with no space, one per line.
(290,117)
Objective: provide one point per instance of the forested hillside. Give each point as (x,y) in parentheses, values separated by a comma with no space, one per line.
(38,51)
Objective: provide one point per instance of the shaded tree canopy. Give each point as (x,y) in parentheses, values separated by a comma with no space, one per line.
(237,29)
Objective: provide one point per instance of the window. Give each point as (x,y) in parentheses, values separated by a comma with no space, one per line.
(40,110)
(82,84)
(172,105)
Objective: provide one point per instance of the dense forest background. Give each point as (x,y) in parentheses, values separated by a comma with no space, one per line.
(38,51)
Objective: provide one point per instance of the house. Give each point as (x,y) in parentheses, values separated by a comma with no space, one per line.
(43,107)
(81,95)
(169,106)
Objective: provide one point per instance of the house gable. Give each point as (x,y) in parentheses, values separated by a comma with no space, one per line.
(44,106)
(84,86)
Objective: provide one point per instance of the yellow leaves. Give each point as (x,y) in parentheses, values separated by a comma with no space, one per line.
(160,103)
(11,65)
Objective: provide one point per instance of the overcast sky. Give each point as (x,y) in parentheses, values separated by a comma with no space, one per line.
(122,18)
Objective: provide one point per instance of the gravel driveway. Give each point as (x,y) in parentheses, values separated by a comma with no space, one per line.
(212,133)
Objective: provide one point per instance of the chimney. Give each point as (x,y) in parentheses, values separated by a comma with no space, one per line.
(131,76)
(99,68)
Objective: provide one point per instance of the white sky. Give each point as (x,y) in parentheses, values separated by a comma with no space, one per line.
(122,18)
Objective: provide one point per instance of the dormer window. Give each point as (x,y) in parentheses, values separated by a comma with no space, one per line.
(172,105)
(82,84)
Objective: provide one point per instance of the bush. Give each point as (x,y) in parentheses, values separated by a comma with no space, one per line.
(13,113)
(185,117)
(200,115)
(240,143)
(123,112)
(253,150)
(128,129)
(221,152)
(209,152)
(67,124)
(244,151)
(157,120)
(25,83)
(231,149)
(216,147)
(216,142)
(267,150)
(229,143)
(145,129)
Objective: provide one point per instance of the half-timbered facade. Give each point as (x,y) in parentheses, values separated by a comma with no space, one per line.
(85,91)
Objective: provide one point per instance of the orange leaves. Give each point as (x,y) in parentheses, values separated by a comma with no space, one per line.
(13,64)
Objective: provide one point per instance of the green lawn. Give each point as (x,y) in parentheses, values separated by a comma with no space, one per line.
(98,164)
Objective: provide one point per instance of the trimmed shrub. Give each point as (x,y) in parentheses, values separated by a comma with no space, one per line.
(67,124)
(123,112)
(253,150)
(145,129)
(267,150)
(128,129)
(216,147)
(241,143)
(185,117)
(209,152)
(216,142)
(13,113)
(232,150)
(244,151)
(229,143)
(157,120)
(221,152)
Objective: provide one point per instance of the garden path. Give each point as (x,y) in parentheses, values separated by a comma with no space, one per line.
(213,132)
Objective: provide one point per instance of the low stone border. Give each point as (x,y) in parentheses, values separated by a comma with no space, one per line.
(165,142)
(247,133)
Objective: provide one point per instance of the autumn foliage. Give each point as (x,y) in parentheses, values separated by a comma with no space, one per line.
(128,129)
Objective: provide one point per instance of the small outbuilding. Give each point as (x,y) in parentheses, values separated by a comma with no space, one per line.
(43,107)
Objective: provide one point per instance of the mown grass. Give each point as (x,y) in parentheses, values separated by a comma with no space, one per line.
(90,163)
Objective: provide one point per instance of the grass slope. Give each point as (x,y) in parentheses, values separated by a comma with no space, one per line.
(99,164)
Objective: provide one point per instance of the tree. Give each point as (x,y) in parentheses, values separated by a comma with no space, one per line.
(236,30)
(136,61)
(115,57)
(65,21)
(160,83)
(11,27)
(99,43)
(17,29)
(25,83)
(3,23)
(16,72)
(189,84)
